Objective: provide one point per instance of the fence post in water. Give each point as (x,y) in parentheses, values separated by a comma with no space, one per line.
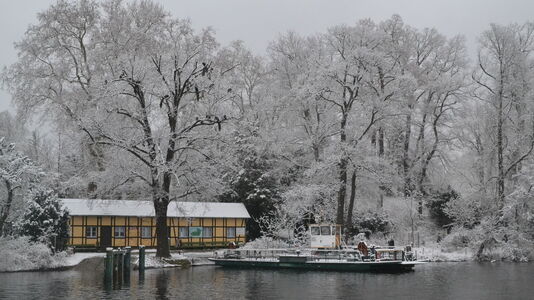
(141,258)
(108,267)
(127,264)
(115,267)
(120,266)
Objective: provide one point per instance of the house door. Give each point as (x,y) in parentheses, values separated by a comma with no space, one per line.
(105,236)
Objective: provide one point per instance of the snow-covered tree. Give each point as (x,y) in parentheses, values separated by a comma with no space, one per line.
(18,175)
(131,78)
(253,182)
(504,86)
(45,220)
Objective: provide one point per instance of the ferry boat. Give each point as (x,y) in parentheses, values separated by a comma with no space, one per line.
(326,253)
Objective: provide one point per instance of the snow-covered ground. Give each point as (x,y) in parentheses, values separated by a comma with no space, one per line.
(181,259)
(76,258)
(22,255)
(152,262)
(437,255)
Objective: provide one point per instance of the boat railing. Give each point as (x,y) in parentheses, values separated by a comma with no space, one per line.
(311,254)
(321,255)
(340,255)
(259,253)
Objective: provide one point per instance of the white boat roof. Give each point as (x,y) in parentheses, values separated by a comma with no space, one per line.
(140,208)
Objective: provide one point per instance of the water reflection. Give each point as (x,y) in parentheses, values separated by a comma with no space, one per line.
(141,278)
(432,281)
(162,283)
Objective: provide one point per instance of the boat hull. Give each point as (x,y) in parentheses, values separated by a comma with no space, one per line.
(380,267)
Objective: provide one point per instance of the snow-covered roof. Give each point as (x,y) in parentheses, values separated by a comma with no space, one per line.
(134,208)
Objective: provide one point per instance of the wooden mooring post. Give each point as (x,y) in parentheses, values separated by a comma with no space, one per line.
(108,268)
(117,266)
(127,264)
(141,258)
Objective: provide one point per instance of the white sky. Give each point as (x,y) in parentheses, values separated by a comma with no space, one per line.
(257,22)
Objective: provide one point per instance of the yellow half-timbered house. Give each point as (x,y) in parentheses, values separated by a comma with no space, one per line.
(119,223)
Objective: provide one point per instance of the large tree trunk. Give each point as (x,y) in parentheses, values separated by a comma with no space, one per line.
(381,187)
(424,168)
(342,175)
(481,164)
(380,141)
(4,213)
(406,148)
(342,191)
(316,152)
(500,147)
(162,233)
(351,202)
(420,148)
(161,204)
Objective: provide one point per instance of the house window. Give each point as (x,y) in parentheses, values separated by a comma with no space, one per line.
(120,232)
(240,231)
(90,232)
(146,232)
(207,232)
(230,232)
(315,230)
(184,232)
(195,232)
(325,230)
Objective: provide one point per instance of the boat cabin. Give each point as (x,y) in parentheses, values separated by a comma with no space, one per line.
(323,236)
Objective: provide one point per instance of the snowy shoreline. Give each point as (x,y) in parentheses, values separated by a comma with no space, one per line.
(63,262)
(199,258)
(438,255)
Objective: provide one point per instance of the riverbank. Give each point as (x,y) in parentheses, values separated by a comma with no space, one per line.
(433,254)
(177,260)
(37,258)
(20,254)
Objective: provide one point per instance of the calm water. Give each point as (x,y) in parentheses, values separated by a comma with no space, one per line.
(430,281)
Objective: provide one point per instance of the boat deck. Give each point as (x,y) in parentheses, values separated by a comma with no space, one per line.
(338,260)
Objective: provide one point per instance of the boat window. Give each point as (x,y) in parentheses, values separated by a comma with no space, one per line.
(325,230)
(315,230)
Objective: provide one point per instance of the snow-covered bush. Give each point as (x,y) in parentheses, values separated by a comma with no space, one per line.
(45,221)
(466,211)
(266,242)
(437,205)
(20,254)
(374,221)
(459,238)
